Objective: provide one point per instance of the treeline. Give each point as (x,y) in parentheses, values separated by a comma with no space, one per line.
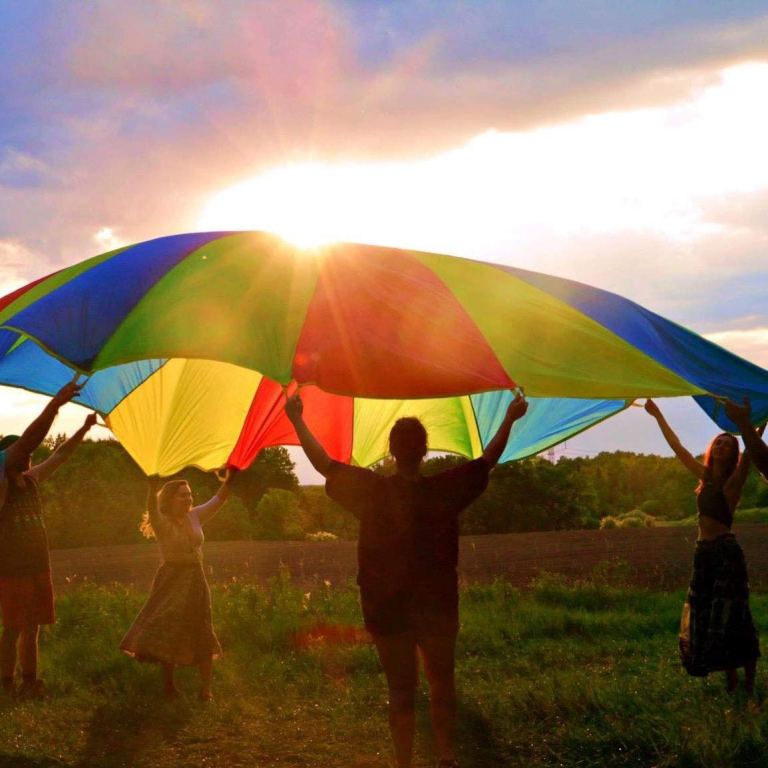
(98,496)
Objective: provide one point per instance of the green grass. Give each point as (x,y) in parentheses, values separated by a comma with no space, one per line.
(561,675)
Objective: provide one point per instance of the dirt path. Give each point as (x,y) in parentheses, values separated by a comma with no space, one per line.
(658,557)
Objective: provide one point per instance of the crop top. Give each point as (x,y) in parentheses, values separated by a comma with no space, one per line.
(711,502)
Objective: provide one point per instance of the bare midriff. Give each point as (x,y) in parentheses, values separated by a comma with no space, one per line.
(710,529)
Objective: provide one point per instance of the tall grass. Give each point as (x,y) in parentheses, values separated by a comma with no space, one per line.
(564,674)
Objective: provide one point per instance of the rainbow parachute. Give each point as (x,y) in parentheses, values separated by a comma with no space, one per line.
(190,340)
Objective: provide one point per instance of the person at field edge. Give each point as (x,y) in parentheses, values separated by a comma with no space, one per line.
(716,630)
(741,416)
(174,627)
(407,558)
(26,590)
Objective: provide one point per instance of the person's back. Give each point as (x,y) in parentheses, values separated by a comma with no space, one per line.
(409,539)
(407,556)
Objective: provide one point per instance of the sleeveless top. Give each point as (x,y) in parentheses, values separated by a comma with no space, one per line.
(23,538)
(711,502)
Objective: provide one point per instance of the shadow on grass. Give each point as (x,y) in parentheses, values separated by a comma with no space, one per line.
(479,745)
(17,761)
(120,733)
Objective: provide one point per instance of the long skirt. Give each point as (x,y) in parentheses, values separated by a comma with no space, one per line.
(174,626)
(716,629)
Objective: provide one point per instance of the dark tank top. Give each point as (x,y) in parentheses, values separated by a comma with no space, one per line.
(711,502)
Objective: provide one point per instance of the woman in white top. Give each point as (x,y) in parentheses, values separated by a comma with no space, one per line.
(174,627)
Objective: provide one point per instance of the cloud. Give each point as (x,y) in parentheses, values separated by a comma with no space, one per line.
(747,212)
(135,131)
(751,343)
(308,80)
(15,260)
(107,240)
(20,169)
(663,205)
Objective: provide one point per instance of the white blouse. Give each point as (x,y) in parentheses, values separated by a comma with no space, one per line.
(181,539)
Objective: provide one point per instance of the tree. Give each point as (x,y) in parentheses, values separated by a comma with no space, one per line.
(273,468)
(232,523)
(324,514)
(96,497)
(279,516)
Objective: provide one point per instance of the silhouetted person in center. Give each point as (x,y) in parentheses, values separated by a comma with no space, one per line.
(407,557)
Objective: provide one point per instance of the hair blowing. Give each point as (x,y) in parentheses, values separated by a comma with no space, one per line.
(164,496)
(709,460)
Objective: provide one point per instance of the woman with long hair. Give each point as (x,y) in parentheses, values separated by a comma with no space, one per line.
(174,627)
(716,631)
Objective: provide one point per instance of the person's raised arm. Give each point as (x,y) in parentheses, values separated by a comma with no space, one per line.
(498,442)
(682,453)
(35,433)
(318,458)
(206,511)
(741,416)
(46,468)
(734,485)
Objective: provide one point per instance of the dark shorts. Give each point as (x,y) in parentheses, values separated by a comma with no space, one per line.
(27,600)
(399,613)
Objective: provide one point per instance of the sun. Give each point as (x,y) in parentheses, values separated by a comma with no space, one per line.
(520,197)
(308,205)
(314,204)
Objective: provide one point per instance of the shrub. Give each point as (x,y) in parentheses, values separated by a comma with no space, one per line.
(322,536)
(651,507)
(753,515)
(635,518)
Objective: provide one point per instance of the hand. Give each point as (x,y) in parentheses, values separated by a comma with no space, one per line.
(294,408)
(517,408)
(652,408)
(66,393)
(741,415)
(90,420)
(226,473)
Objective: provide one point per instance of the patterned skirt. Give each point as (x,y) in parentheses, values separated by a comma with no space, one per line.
(174,626)
(716,629)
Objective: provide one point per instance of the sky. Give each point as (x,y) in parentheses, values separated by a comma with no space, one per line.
(620,144)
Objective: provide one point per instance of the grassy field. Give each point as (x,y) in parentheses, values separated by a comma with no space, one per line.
(560,675)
